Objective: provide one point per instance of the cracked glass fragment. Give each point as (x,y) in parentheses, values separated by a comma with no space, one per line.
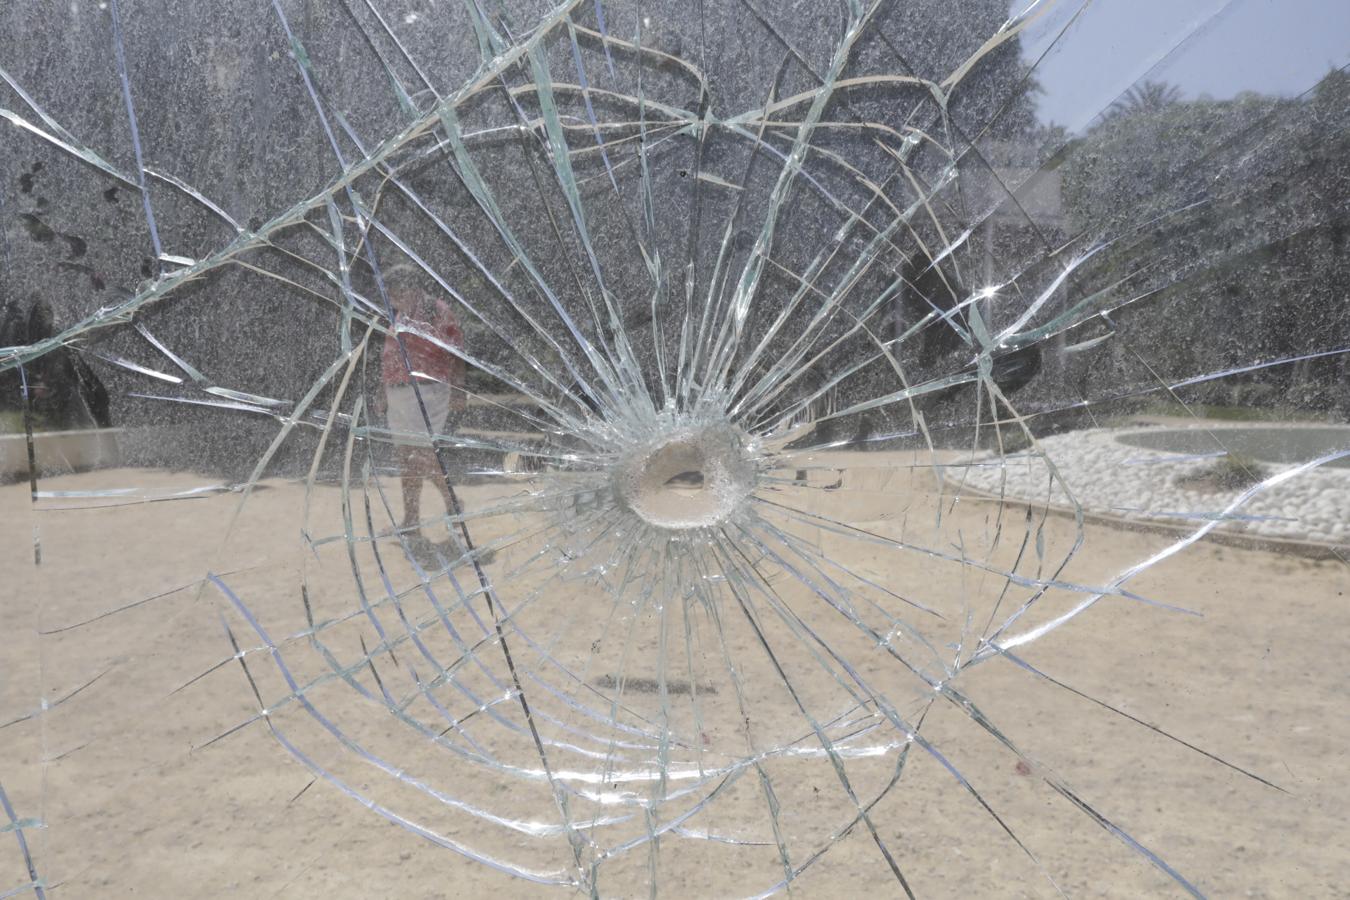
(708,449)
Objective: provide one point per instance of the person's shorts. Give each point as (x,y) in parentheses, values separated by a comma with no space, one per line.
(404,416)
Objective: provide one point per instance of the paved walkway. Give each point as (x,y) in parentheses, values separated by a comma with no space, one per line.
(1104,475)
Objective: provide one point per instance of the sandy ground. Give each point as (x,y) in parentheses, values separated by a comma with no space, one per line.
(136,799)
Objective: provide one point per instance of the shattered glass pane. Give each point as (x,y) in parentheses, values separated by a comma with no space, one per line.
(710,448)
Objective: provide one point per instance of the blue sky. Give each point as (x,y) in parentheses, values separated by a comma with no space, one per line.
(1215,47)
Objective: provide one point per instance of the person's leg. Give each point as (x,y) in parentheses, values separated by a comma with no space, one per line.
(414,458)
(454,546)
(419,462)
(423,462)
(411,479)
(448,423)
(442,487)
(437,400)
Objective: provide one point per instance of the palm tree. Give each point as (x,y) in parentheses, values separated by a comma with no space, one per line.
(1149,97)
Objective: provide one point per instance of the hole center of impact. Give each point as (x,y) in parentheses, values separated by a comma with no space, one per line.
(694,479)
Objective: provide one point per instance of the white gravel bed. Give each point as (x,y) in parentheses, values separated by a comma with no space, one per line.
(1107,476)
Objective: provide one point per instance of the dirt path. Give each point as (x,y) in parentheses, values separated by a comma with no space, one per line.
(138,800)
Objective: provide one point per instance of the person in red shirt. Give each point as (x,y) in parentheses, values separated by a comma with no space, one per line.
(426,365)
